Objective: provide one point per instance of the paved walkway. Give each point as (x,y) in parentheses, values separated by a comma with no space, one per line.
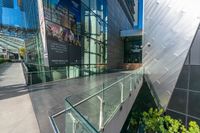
(16,111)
(11,74)
(27,112)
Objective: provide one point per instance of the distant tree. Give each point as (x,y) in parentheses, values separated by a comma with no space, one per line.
(22,52)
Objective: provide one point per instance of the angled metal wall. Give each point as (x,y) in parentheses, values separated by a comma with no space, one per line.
(185,100)
(169,28)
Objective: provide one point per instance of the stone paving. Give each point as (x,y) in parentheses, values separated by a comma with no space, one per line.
(16,110)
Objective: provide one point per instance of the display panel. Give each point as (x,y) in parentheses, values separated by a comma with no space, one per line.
(62,19)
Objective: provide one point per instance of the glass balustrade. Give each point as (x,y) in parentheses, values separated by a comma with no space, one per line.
(92,110)
(35,74)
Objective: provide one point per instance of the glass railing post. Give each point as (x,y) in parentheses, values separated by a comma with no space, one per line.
(73,124)
(131,83)
(101,114)
(134,80)
(122,92)
(31,79)
(74,72)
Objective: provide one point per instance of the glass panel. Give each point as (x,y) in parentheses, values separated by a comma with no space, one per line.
(86,44)
(86,2)
(126,87)
(90,110)
(85,18)
(92,46)
(93,68)
(45,75)
(8,3)
(86,70)
(94,108)
(112,100)
(86,58)
(71,121)
(74,71)
(92,58)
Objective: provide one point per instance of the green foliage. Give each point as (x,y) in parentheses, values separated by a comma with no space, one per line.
(193,127)
(155,121)
(135,120)
(22,52)
(4,60)
(173,125)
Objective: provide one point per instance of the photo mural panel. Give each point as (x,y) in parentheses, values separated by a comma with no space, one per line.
(62,19)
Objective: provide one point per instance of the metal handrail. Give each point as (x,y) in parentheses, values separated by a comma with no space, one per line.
(58,70)
(101,123)
(82,101)
(25,70)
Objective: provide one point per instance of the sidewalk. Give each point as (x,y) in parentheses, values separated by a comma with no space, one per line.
(16,111)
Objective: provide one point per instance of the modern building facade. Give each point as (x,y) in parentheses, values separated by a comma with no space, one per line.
(73,38)
(170,53)
(184,102)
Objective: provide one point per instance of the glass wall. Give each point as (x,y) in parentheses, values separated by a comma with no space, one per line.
(130,4)
(31,14)
(87,21)
(94,19)
(8,3)
(76,36)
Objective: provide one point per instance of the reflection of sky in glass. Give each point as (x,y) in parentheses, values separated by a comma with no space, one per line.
(72,5)
(54,1)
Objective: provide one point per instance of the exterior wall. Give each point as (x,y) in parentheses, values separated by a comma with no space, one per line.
(117,21)
(31,14)
(9,20)
(169,28)
(16,17)
(185,101)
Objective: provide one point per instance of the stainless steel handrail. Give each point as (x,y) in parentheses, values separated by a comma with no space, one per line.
(102,124)
(107,88)
(25,70)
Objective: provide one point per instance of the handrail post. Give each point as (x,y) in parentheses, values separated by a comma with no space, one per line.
(131,83)
(31,79)
(100,114)
(122,92)
(73,123)
(26,78)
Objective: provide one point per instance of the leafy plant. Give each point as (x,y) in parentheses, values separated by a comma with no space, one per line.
(193,127)
(173,125)
(4,60)
(22,52)
(155,121)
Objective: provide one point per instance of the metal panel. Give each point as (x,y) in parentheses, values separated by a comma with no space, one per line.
(170,26)
(195,50)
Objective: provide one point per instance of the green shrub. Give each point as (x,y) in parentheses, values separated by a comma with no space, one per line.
(4,60)
(155,121)
(193,127)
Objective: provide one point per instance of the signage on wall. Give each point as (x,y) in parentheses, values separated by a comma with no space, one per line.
(62,19)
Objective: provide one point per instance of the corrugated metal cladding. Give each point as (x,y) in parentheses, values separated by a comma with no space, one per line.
(170,26)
